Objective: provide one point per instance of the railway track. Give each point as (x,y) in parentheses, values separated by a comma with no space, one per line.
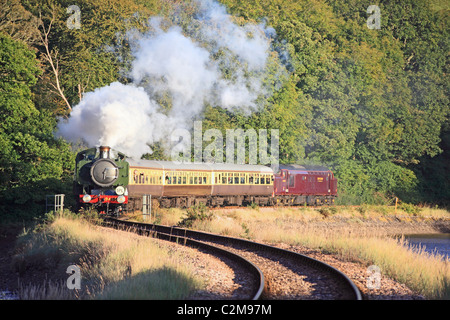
(274,273)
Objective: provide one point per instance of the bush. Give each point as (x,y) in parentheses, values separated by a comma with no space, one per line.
(409,208)
(326,212)
(196,213)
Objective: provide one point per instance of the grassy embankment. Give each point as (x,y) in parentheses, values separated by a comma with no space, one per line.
(126,266)
(363,233)
(113,265)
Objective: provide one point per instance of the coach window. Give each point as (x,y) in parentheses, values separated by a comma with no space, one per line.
(291,181)
(242,177)
(256,178)
(250,178)
(267,179)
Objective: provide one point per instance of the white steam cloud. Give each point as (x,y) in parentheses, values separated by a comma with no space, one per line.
(187,66)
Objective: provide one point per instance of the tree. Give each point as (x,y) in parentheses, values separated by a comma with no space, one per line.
(378,97)
(32,161)
(52,58)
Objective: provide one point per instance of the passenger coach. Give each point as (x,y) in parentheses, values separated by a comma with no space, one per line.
(186,184)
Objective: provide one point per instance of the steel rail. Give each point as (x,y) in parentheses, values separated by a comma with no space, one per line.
(353,290)
(149,230)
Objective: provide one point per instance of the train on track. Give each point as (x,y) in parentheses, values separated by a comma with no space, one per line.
(107,179)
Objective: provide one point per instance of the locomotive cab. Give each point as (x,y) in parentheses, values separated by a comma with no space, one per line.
(295,184)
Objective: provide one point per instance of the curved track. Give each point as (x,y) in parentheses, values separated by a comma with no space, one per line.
(254,276)
(343,287)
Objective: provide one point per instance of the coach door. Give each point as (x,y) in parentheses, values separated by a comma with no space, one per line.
(280,182)
(328,183)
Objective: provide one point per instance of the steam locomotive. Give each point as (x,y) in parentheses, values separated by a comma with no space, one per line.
(110,181)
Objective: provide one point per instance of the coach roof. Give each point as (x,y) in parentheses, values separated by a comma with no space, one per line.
(174,165)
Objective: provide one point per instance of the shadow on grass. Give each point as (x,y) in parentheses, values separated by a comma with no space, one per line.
(164,284)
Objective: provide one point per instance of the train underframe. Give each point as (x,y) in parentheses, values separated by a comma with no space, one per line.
(136,203)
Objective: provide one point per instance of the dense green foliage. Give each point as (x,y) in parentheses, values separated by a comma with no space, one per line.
(32,161)
(370,103)
(377,99)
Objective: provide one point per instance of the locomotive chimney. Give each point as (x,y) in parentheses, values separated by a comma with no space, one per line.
(104,152)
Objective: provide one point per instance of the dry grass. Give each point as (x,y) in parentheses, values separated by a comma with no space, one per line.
(357,233)
(132,267)
(113,265)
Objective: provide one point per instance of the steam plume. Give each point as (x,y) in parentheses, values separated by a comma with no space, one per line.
(187,66)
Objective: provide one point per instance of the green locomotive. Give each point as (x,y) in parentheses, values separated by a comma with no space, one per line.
(101,179)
